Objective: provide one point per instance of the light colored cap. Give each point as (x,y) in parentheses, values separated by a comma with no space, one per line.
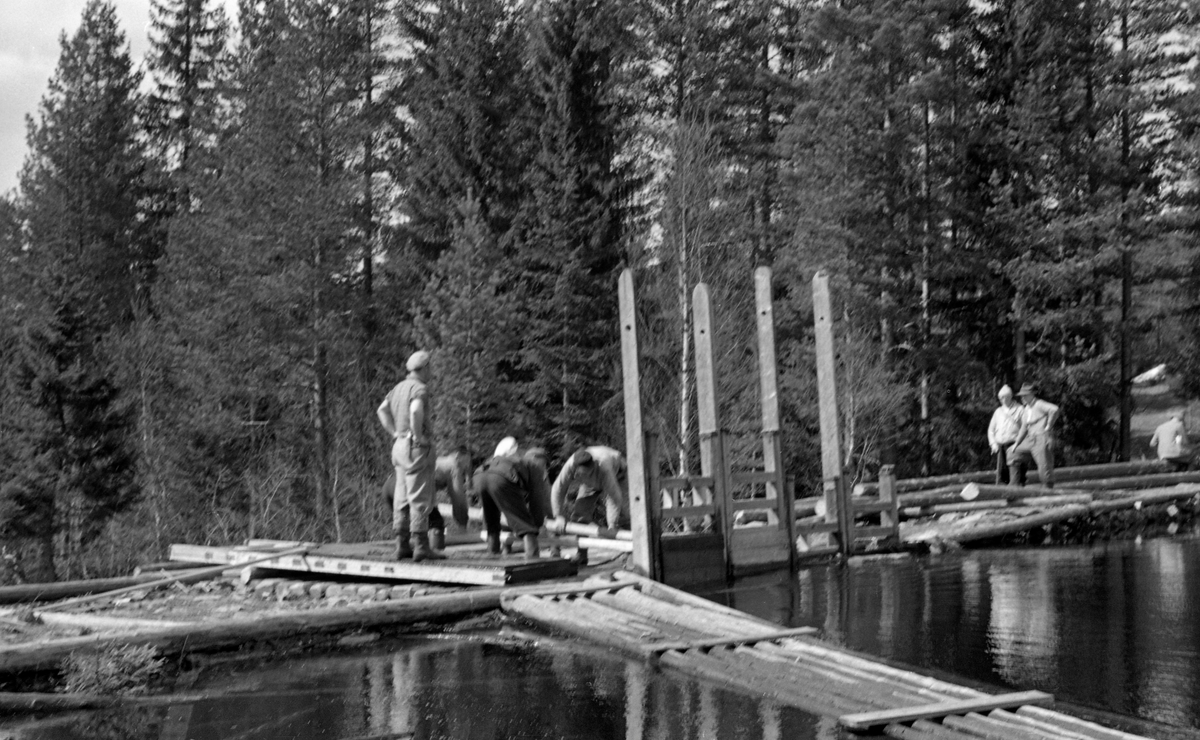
(1005,392)
(506,448)
(417,360)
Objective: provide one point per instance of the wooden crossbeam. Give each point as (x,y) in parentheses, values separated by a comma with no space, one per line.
(662,647)
(865,721)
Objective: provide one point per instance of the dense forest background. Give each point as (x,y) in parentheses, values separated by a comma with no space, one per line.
(219,258)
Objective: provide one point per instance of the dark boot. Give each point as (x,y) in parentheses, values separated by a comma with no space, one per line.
(422,550)
(531,547)
(493,545)
(403,548)
(437,539)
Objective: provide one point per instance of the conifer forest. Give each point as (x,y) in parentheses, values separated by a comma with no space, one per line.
(219,257)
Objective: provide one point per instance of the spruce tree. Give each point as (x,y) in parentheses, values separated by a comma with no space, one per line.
(187,63)
(574,221)
(85,176)
(74,467)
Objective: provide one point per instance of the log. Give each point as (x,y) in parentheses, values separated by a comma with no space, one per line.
(229,633)
(864,721)
(974,723)
(1134,482)
(101,622)
(913,512)
(36,592)
(596,531)
(1073,724)
(1073,473)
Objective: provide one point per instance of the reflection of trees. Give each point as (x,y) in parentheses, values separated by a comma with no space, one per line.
(1023,631)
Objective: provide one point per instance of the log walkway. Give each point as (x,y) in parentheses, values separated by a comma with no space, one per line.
(684,633)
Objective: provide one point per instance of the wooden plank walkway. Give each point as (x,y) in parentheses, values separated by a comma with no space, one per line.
(648,620)
(463,566)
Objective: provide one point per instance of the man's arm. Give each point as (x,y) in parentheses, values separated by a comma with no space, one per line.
(610,484)
(384,412)
(991,433)
(416,421)
(558,491)
(1052,416)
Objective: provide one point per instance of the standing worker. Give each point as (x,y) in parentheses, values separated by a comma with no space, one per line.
(516,487)
(1002,431)
(1170,438)
(1035,438)
(598,471)
(407,414)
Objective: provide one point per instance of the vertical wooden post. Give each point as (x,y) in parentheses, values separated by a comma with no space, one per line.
(887,493)
(832,476)
(768,372)
(712,454)
(640,518)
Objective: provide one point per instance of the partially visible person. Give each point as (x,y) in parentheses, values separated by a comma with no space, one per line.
(596,471)
(1002,431)
(1035,438)
(451,474)
(407,414)
(515,487)
(1170,439)
(507,447)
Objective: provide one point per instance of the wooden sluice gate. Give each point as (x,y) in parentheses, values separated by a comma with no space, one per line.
(679,632)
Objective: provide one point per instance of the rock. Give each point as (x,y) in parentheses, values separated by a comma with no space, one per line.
(365,593)
(317,590)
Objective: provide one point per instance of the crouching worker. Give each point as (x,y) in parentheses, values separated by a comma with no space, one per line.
(515,487)
(596,472)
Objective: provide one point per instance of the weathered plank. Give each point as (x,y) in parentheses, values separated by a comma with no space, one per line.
(864,721)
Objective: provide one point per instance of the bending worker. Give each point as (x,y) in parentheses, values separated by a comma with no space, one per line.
(598,471)
(407,414)
(516,487)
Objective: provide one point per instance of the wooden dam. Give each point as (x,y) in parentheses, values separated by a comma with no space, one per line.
(685,531)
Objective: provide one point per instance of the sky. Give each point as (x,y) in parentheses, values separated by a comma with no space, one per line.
(29,50)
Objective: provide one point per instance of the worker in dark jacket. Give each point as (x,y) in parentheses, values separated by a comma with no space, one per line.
(516,487)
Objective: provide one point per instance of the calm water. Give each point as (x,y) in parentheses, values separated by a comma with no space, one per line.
(1115,628)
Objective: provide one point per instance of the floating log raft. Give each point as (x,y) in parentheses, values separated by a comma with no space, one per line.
(1061,476)
(644,619)
(1023,520)
(376,560)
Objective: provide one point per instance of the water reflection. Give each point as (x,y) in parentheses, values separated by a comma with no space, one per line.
(449,689)
(1115,627)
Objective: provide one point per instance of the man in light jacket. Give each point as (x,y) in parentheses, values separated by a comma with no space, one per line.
(1002,431)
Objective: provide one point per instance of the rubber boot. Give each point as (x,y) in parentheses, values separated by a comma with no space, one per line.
(437,539)
(531,547)
(403,549)
(422,550)
(493,545)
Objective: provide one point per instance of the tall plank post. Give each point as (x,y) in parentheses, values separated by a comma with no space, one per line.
(712,455)
(769,394)
(889,517)
(832,475)
(640,519)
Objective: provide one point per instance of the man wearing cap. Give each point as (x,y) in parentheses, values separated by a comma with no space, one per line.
(1035,437)
(407,414)
(1170,438)
(1002,431)
(597,470)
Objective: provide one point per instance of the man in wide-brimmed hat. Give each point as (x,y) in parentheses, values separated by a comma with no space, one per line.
(1035,438)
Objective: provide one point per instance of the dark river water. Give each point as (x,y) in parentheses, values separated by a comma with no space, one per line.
(1114,628)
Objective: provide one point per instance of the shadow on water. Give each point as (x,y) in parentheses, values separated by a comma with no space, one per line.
(1113,627)
(456,689)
